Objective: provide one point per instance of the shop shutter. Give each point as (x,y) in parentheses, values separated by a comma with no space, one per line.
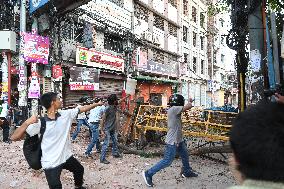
(46,85)
(109,86)
(72,97)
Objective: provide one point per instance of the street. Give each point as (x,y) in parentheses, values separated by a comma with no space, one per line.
(121,173)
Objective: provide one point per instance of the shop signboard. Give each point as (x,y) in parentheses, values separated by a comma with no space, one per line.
(82,78)
(36,48)
(93,58)
(161,69)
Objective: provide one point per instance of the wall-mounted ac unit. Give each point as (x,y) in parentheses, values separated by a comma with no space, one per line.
(8,41)
(147,36)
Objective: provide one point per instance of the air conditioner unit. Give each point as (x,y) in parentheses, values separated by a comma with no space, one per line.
(156,40)
(147,36)
(8,40)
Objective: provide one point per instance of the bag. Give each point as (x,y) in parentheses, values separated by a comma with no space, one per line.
(32,147)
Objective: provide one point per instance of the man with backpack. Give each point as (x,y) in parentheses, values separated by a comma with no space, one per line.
(55,144)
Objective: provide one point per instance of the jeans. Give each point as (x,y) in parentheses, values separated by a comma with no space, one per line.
(6,128)
(79,123)
(113,136)
(169,156)
(72,165)
(95,138)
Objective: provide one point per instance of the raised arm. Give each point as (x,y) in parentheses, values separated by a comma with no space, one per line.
(188,106)
(124,98)
(89,107)
(20,132)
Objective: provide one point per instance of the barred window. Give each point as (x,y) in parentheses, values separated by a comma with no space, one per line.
(172,30)
(201,42)
(185,7)
(173,3)
(158,56)
(202,66)
(194,38)
(202,20)
(194,64)
(194,14)
(159,22)
(141,12)
(113,43)
(185,32)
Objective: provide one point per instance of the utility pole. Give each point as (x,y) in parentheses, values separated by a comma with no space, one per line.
(22,86)
(275,47)
(256,41)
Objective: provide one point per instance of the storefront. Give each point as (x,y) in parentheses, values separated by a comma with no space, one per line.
(97,74)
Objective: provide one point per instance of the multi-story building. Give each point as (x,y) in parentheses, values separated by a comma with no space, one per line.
(194,72)
(157,30)
(221,58)
(96,43)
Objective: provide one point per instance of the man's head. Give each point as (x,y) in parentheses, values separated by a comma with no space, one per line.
(112,99)
(257,140)
(51,100)
(176,100)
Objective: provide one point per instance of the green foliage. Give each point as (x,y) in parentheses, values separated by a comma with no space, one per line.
(220,7)
(276,5)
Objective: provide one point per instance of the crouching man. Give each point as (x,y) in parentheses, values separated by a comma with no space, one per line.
(55,145)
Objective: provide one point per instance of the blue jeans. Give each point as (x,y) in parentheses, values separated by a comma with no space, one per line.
(113,136)
(169,156)
(79,123)
(95,138)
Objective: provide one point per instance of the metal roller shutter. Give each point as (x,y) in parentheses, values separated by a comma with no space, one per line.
(72,97)
(109,86)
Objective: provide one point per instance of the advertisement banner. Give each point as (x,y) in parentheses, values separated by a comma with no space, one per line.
(82,78)
(36,48)
(130,86)
(57,73)
(35,4)
(93,58)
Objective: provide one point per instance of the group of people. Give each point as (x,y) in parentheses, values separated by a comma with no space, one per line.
(104,118)
(256,139)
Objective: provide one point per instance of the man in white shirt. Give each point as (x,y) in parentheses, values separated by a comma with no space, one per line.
(95,117)
(55,145)
(4,119)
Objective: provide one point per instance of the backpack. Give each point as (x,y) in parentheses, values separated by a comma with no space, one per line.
(32,147)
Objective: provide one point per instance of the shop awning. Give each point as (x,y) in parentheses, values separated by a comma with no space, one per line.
(164,80)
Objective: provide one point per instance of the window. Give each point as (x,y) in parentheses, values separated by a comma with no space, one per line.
(173,3)
(172,30)
(201,42)
(194,66)
(222,59)
(118,2)
(141,12)
(158,56)
(113,43)
(194,36)
(159,22)
(202,20)
(185,58)
(194,16)
(185,9)
(222,40)
(222,22)
(202,67)
(185,31)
